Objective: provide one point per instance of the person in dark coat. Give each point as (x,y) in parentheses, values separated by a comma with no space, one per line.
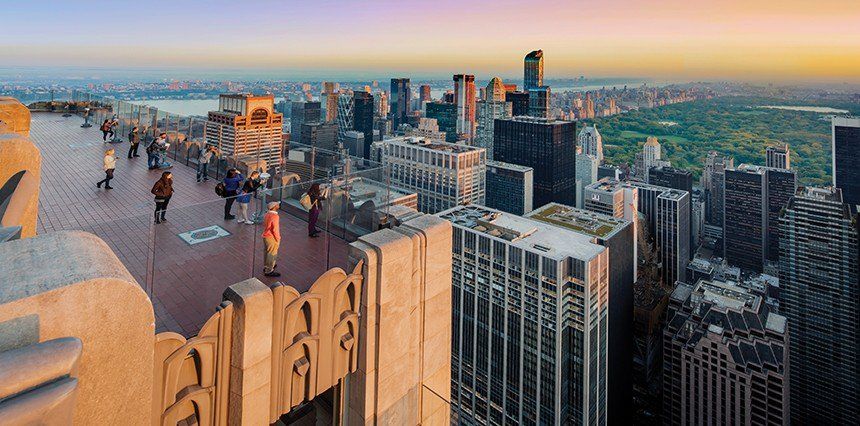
(232,183)
(163,190)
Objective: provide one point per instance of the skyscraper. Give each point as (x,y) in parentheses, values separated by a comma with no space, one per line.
(724,359)
(509,187)
(668,216)
(445,115)
(400,102)
(586,174)
(519,103)
(754,196)
(303,112)
(362,121)
(820,289)
(846,157)
(533,70)
(539,101)
(443,175)
(247,126)
(651,156)
(345,118)
(713,181)
(591,142)
(778,156)
(424,94)
(329,106)
(671,177)
(519,353)
(492,108)
(547,146)
(464,96)
(618,235)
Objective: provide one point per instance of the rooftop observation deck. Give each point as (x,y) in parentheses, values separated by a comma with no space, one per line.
(184,277)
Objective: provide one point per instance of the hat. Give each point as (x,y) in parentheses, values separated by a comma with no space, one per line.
(273,204)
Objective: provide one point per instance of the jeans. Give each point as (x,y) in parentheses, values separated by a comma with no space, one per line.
(202,171)
(271,258)
(228,204)
(160,209)
(106,180)
(242,212)
(152,160)
(313,215)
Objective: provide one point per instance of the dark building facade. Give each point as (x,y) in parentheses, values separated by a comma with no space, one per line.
(754,197)
(671,177)
(820,296)
(301,113)
(446,117)
(362,112)
(400,102)
(320,135)
(509,187)
(519,103)
(846,158)
(547,146)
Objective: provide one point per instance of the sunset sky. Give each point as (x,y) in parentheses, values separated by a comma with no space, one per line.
(708,39)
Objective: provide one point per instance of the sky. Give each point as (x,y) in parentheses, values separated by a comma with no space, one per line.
(776,40)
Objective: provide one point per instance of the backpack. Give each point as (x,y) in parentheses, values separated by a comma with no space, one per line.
(220,189)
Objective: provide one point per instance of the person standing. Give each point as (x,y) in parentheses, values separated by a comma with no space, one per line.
(244,199)
(232,183)
(106,129)
(203,162)
(153,151)
(133,142)
(271,239)
(108,166)
(163,190)
(316,198)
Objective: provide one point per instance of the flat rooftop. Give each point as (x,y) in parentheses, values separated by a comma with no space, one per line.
(510,166)
(432,144)
(579,220)
(529,234)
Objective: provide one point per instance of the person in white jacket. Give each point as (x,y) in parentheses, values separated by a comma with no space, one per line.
(109,166)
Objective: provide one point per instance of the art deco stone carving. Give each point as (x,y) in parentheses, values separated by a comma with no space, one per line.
(192,376)
(313,337)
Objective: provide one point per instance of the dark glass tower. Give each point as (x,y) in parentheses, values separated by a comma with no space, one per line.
(400,102)
(519,103)
(846,158)
(362,111)
(446,117)
(303,113)
(671,177)
(533,70)
(820,289)
(547,146)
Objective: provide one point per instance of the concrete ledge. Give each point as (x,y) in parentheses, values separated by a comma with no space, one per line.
(14,116)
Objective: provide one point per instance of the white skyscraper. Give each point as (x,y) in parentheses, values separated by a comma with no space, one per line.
(591,142)
(530,321)
(586,174)
(492,108)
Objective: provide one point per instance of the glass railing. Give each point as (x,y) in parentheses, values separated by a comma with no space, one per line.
(187,261)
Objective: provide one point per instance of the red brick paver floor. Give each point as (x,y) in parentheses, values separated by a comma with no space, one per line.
(184,281)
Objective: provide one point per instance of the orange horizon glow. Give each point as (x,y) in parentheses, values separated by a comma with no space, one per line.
(730,39)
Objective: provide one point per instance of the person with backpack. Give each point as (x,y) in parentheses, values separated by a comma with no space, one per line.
(271,239)
(315,197)
(163,190)
(106,129)
(108,165)
(232,183)
(133,142)
(153,151)
(244,199)
(203,162)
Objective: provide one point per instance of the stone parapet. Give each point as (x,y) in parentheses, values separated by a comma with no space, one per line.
(20,169)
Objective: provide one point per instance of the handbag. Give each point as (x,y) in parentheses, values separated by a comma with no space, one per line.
(305,201)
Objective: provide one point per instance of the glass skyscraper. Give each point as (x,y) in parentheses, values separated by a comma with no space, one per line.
(820,289)
(846,158)
(362,112)
(533,70)
(400,102)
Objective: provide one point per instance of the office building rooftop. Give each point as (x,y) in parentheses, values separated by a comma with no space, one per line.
(578,220)
(525,233)
(431,144)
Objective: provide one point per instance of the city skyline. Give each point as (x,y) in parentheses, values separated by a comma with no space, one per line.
(670,39)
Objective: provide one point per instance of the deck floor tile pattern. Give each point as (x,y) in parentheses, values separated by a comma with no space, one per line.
(184,281)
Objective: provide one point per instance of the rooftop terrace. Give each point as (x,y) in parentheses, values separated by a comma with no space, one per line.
(578,220)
